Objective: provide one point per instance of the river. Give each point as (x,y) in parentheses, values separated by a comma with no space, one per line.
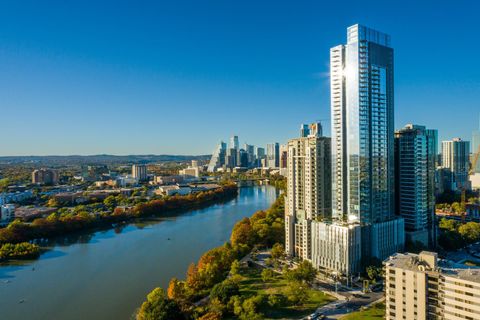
(107,274)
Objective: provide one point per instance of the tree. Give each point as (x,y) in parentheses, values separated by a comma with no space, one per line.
(305,272)
(177,291)
(373,272)
(470,231)
(297,293)
(235,267)
(159,307)
(243,233)
(224,291)
(276,300)
(267,274)
(448,224)
(248,308)
(277,251)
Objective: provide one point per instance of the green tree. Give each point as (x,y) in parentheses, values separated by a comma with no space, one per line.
(235,267)
(224,291)
(277,251)
(470,231)
(267,274)
(297,293)
(159,307)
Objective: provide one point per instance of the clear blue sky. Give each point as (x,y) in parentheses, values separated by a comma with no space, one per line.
(175,77)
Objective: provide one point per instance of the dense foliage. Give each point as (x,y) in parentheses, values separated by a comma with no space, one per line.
(207,277)
(61,222)
(23,250)
(455,235)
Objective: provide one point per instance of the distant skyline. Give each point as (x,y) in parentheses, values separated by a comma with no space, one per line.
(155,77)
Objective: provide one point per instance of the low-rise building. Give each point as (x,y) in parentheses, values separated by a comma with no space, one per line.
(7,213)
(173,190)
(15,197)
(425,287)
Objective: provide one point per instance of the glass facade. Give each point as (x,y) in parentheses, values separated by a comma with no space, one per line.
(362,127)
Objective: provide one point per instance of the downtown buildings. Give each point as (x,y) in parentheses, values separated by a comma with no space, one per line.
(363,226)
(233,157)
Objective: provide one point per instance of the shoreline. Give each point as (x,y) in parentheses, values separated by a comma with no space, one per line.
(148,211)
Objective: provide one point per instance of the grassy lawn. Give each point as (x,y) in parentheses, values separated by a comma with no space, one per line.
(375,312)
(252,284)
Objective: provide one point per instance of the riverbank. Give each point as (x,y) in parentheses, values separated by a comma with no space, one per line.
(125,262)
(181,299)
(57,225)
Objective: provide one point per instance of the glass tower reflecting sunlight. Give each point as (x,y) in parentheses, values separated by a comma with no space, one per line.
(362,127)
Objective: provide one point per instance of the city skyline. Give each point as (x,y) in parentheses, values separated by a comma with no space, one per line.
(75,89)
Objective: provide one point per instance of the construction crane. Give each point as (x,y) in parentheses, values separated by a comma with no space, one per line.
(471,171)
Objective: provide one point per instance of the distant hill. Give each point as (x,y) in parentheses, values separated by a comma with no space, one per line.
(99,159)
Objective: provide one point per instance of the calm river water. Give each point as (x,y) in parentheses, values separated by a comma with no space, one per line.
(107,274)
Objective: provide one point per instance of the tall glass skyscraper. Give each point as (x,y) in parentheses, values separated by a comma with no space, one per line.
(362,127)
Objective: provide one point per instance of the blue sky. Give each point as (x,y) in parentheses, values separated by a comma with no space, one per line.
(175,77)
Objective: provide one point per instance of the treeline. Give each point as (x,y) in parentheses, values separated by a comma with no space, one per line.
(181,300)
(58,224)
(23,250)
(455,235)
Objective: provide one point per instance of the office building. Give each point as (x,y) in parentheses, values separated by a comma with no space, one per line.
(250,149)
(415,163)
(234,143)
(259,156)
(424,287)
(456,157)
(45,176)
(308,191)
(364,225)
(273,155)
(218,157)
(139,172)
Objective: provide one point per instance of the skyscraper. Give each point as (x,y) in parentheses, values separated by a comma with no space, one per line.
(362,127)
(218,157)
(415,163)
(234,143)
(363,203)
(456,157)
(273,155)
(308,191)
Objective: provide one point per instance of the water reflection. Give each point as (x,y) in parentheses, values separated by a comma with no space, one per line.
(106,274)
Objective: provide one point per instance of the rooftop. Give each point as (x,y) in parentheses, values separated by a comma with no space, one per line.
(428,262)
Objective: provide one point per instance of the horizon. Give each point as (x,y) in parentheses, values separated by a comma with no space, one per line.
(175,79)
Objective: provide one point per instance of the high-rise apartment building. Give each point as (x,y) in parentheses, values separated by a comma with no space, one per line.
(423,287)
(45,176)
(273,155)
(139,172)
(456,157)
(308,191)
(364,224)
(415,164)
(218,157)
